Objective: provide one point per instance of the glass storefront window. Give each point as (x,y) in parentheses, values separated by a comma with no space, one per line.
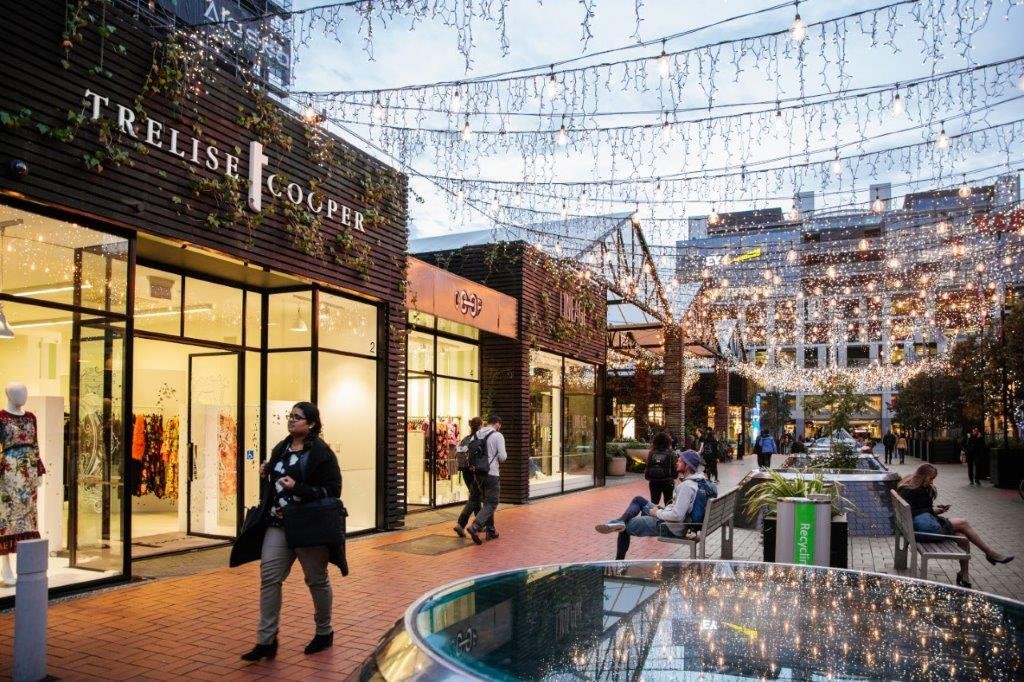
(457,328)
(419,425)
(213,311)
(253,319)
(580,425)
(457,402)
(420,352)
(347,325)
(457,359)
(348,407)
(545,469)
(288,382)
(251,415)
(421,319)
(157,301)
(52,260)
(288,320)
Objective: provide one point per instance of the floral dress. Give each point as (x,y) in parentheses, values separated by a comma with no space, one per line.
(20,469)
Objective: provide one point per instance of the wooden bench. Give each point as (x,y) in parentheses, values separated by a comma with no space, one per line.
(717,515)
(908,541)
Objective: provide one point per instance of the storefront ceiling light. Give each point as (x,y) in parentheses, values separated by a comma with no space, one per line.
(41,291)
(202,308)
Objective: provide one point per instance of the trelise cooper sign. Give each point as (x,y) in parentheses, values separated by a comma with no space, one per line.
(192,150)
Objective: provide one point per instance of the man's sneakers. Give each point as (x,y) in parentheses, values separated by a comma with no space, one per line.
(474,534)
(460,531)
(613,526)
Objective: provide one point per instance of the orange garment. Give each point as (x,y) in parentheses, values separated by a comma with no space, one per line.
(139,438)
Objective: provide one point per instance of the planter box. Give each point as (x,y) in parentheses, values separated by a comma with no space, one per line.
(944,452)
(638,453)
(616,466)
(839,555)
(1006,466)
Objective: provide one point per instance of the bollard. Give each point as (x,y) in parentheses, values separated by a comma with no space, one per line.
(30,606)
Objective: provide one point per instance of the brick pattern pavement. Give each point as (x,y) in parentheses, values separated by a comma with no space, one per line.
(197,625)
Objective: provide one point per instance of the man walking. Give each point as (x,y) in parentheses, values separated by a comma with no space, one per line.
(474,487)
(494,446)
(889,443)
(766,449)
(974,449)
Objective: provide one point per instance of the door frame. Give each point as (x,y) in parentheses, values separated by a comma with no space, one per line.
(239,386)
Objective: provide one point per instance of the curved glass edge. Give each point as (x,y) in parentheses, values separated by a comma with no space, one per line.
(437,666)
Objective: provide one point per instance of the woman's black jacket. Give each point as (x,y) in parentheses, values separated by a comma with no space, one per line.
(323,479)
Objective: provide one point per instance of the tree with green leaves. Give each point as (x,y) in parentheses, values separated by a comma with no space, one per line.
(930,401)
(838,397)
(775,412)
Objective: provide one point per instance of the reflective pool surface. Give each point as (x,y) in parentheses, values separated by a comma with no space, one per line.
(702,620)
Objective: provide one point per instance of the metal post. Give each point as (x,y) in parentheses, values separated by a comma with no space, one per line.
(30,611)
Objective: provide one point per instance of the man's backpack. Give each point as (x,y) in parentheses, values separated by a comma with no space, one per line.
(660,466)
(768,445)
(476,455)
(462,454)
(705,492)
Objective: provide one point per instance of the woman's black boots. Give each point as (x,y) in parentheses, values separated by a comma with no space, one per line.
(320,642)
(267,651)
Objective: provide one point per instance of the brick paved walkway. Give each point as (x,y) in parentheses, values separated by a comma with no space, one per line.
(196,626)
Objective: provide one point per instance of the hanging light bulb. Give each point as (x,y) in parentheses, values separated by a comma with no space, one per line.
(310,115)
(584,200)
(460,197)
(565,211)
(659,193)
(713,217)
(791,256)
(964,191)
(837,164)
(664,64)
(862,245)
(897,106)
(562,137)
(299,325)
(942,227)
(494,203)
(877,205)
(377,111)
(794,212)
(517,198)
(666,129)
(552,88)
(831,272)
(894,263)
(798,31)
(456,103)
(943,140)
(467,131)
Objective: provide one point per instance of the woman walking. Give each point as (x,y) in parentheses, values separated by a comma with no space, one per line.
(919,491)
(302,470)
(901,448)
(660,470)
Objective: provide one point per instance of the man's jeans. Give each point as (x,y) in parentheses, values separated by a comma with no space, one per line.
(638,523)
(491,488)
(473,504)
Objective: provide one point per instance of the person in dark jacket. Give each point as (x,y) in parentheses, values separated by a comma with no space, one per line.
(302,468)
(889,443)
(974,449)
(660,469)
(799,446)
(476,493)
(918,490)
(709,454)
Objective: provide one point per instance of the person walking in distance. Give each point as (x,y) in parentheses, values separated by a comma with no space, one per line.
(766,448)
(889,443)
(660,470)
(474,486)
(494,446)
(974,449)
(709,454)
(901,447)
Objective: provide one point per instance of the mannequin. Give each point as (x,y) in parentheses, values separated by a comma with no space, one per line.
(20,469)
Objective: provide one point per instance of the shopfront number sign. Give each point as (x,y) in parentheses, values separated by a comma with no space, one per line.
(469,303)
(803,533)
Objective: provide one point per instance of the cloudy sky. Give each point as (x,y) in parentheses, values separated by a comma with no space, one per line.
(542,33)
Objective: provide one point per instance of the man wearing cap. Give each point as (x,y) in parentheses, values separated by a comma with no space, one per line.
(642,517)
(494,443)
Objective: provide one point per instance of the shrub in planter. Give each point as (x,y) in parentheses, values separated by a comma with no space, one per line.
(1006,466)
(615,459)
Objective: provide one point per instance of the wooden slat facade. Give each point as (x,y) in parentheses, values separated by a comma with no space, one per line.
(153,193)
(511,269)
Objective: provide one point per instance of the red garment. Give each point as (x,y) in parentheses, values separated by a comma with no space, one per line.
(139,438)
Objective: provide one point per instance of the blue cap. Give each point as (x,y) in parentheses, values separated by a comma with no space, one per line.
(692,459)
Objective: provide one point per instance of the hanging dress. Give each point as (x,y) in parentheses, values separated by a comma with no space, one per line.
(169,455)
(20,468)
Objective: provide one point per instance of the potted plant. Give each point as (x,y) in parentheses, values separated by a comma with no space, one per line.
(761,501)
(614,459)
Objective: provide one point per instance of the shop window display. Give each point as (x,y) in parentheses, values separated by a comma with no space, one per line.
(347,325)
(580,424)
(213,312)
(61,425)
(158,301)
(289,316)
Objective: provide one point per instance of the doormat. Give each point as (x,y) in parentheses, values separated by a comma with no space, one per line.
(429,545)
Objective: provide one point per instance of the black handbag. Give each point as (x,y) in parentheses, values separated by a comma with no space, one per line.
(252,517)
(316,523)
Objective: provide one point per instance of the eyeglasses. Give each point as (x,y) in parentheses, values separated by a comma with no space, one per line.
(296,418)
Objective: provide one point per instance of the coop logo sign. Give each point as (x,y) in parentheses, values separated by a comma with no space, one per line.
(191,149)
(469,303)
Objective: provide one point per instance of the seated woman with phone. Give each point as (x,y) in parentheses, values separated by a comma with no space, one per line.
(919,491)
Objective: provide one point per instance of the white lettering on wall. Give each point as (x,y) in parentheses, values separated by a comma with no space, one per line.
(153,130)
(125,119)
(257,160)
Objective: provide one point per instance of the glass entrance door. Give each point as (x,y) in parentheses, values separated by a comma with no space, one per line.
(212,480)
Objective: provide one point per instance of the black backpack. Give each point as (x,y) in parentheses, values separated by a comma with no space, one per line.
(476,455)
(660,466)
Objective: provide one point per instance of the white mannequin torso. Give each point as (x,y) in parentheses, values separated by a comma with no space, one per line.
(17,396)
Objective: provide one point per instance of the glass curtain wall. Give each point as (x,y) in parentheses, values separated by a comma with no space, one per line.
(63,292)
(443,394)
(562,424)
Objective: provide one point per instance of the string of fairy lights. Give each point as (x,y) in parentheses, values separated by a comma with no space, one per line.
(558,154)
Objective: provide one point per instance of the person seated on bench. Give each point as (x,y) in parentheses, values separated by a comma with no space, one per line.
(919,492)
(642,517)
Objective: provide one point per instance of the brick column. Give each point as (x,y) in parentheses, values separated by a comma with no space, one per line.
(721,397)
(674,398)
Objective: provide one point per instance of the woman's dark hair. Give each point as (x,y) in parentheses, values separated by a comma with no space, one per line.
(312,414)
(710,435)
(475,424)
(661,441)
